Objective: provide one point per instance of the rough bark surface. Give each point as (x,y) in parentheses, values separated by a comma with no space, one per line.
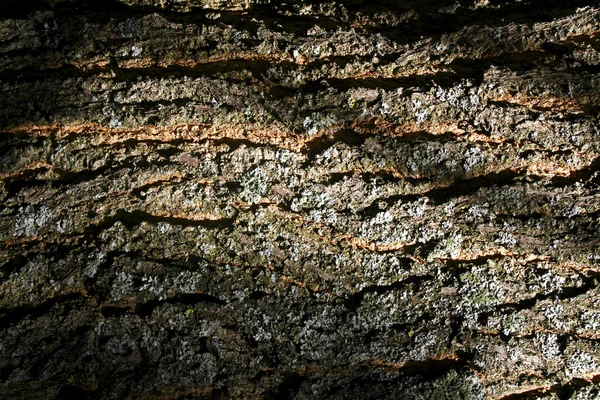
(309,199)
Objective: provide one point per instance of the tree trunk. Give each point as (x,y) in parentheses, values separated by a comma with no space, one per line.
(319,199)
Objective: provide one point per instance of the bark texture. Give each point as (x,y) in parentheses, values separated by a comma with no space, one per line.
(309,199)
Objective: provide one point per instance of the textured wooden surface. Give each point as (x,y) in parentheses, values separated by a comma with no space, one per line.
(254,199)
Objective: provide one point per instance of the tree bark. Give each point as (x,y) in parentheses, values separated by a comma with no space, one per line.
(257,199)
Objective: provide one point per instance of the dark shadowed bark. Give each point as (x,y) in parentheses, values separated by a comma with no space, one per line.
(301,199)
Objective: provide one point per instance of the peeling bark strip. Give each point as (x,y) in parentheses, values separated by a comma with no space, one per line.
(257,199)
